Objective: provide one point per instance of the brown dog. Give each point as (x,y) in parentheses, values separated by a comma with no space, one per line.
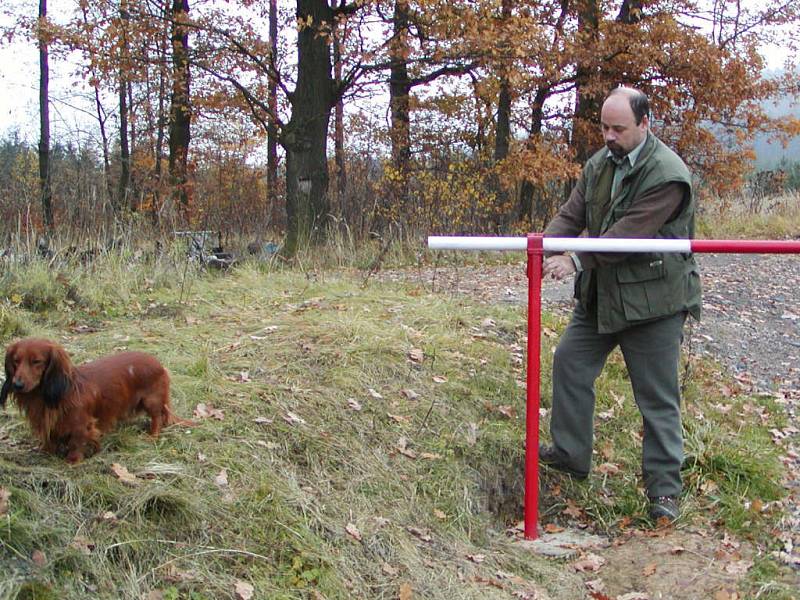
(69,408)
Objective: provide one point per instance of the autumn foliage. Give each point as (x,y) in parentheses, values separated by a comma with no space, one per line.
(420,115)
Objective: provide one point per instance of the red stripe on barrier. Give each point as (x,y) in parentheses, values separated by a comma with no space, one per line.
(746,246)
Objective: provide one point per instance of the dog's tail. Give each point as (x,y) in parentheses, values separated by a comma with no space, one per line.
(170,418)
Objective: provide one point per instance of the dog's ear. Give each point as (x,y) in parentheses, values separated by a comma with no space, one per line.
(9,375)
(57,376)
(4,391)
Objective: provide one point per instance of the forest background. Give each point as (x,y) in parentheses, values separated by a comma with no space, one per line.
(286,121)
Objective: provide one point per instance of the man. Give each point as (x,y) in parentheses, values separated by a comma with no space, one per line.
(635,187)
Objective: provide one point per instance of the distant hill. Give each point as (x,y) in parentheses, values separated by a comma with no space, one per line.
(770,154)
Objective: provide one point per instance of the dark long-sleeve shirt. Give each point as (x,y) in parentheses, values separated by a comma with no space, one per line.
(645,216)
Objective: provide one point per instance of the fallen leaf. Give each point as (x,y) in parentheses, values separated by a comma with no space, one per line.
(677,550)
(588,563)
(374,394)
(293,419)
(419,533)
(410,394)
(476,558)
(243,590)
(221,480)
(205,411)
(488,323)
(244,377)
(263,421)
(399,418)
(573,510)
(402,448)
(739,567)
(124,475)
(353,404)
(389,570)
(429,456)
(406,593)
(108,517)
(439,514)
(416,355)
(552,528)
(608,469)
(82,545)
(38,557)
(353,531)
(634,596)
(506,411)
(4,497)
(495,583)
(649,569)
(595,586)
(439,379)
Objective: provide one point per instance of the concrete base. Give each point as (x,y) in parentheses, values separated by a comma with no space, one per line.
(564,544)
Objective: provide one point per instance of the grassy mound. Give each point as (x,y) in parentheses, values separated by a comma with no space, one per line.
(351,442)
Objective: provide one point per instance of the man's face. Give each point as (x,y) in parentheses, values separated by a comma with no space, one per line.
(620,131)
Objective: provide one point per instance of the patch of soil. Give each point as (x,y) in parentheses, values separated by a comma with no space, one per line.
(670,565)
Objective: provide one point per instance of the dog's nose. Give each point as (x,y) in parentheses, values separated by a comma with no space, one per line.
(18,385)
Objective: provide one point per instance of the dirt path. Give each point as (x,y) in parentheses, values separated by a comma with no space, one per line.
(751,324)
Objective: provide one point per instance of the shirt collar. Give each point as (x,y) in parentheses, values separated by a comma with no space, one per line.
(632,156)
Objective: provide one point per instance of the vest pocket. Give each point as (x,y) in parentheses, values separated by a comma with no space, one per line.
(641,271)
(646,291)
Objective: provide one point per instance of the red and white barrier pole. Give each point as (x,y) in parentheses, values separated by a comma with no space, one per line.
(536,245)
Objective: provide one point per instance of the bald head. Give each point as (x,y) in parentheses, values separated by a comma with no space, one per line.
(625,120)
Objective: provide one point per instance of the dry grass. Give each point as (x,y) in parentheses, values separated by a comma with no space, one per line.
(772,218)
(324,476)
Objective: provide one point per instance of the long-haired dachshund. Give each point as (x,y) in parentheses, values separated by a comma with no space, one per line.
(70,407)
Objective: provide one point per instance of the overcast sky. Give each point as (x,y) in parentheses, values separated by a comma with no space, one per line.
(70,98)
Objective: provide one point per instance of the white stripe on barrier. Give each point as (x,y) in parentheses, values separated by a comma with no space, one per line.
(553,244)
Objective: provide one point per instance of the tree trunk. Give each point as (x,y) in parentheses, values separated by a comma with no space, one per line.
(180,109)
(44,121)
(630,12)
(502,136)
(338,135)
(306,135)
(587,102)
(396,197)
(272,127)
(123,187)
(101,120)
(527,204)
(503,129)
(400,88)
(163,53)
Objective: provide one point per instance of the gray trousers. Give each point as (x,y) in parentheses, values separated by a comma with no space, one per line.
(651,353)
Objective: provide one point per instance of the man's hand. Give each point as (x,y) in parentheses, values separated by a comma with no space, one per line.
(558,266)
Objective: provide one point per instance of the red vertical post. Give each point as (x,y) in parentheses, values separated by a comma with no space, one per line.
(535,255)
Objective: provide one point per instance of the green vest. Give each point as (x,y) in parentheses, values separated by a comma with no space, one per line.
(643,286)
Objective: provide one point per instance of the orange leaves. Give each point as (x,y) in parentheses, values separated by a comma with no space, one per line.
(124,476)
